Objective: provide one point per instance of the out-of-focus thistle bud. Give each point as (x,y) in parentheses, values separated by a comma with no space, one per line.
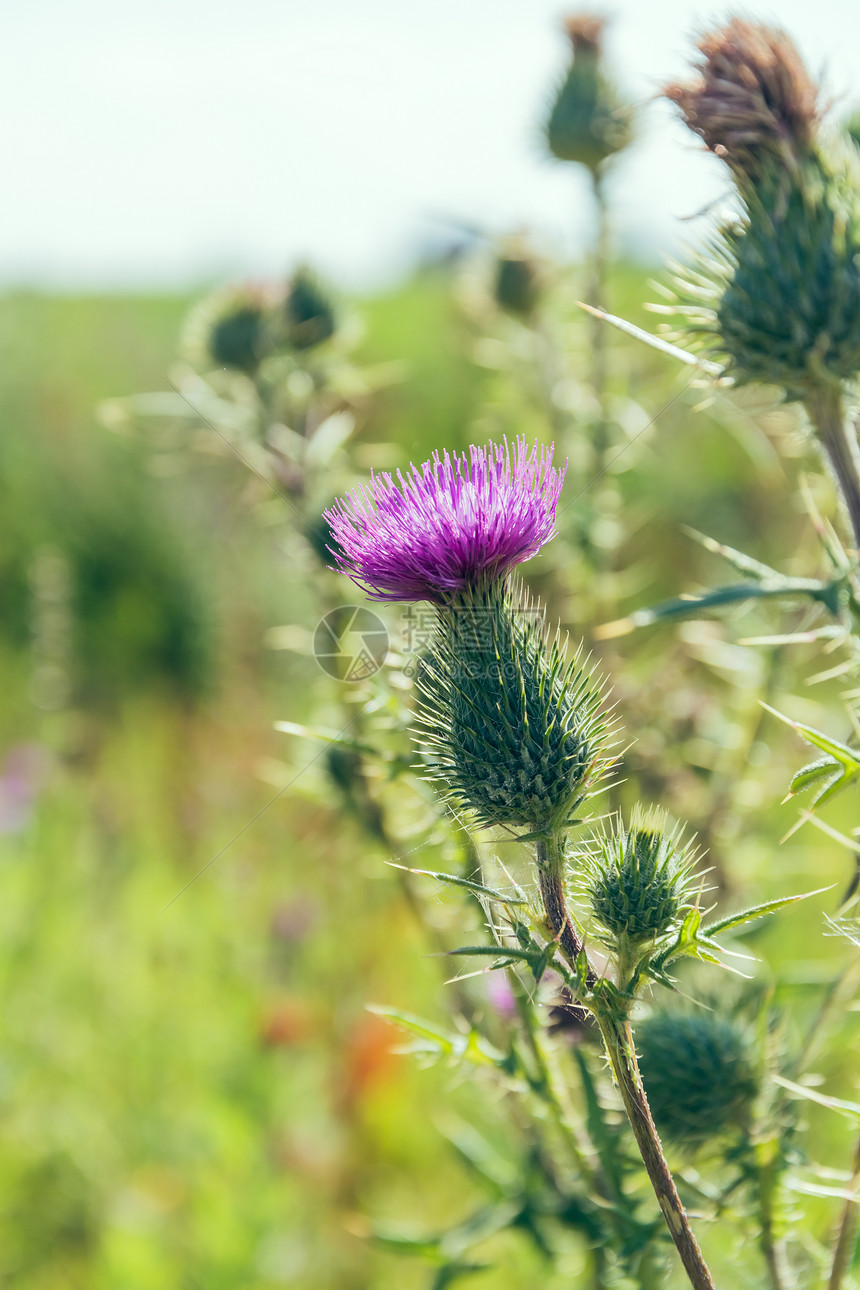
(309,312)
(753,98)
(509,729)
(518,280)
(638,881)
(588,121)
(700,1074)
(230,328)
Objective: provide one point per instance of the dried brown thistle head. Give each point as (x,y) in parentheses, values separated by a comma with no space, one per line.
(753,97)
(586,33)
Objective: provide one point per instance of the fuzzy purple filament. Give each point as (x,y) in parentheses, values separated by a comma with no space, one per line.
(451,523)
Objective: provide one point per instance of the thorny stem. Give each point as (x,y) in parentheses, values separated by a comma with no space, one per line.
(839,440)
(549,851)
(843,1254)
(618,1040)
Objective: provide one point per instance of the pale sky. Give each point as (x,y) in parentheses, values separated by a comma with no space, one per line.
(173,141)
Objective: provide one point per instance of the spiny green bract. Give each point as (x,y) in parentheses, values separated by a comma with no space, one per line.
(638,881)
(699,1072)
(510,728)
(778,299)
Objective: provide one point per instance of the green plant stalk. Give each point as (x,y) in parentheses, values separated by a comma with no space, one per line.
(826,409)
(767,1183)
(618,1040)
(846,1241)
(597,299)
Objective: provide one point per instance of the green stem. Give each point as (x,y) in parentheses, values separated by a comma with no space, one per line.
(599,330)
(843,1254)
(550,861)
(838,438)
(618,1040)
(767,1184)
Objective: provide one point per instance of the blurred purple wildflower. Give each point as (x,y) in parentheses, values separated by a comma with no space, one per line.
(450,523)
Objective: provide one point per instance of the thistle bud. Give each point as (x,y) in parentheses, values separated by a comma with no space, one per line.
(783,305)
(588,122)
(229,329)
(752,99)
(778,298)
(511,731)
(700,1074)
(518,285)
(308,310)
(638,881)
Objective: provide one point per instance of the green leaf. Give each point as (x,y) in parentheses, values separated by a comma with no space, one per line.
(824,768)
(847,759)
(690,605)
(455,881)
(417,1026)
(472,1047)
(737,559)
(849,1109)
(495,952)
(758,911)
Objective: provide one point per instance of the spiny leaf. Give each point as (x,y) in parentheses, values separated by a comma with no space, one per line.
(823,768)
(468,883)
(850,1109)
(758,911)
(848,759)
(737,559)
(687,606)
(655,342)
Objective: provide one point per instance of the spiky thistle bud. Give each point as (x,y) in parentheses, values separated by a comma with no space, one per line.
(308,310)
(638,881)
(509,729)
(229,328)
(700,1073)
(752,98)
(588,123)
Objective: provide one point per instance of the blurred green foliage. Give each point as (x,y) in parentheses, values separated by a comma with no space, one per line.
(192,919)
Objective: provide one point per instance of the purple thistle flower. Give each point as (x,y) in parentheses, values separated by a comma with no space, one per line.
(451,523)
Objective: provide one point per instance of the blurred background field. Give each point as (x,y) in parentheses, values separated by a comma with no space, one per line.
(194,913)
(193,1091)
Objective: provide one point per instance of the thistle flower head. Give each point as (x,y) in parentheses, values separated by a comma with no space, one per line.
(752,97)
(511,731)
(639,880)
(450,524)
(700,1073)
(588,122)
